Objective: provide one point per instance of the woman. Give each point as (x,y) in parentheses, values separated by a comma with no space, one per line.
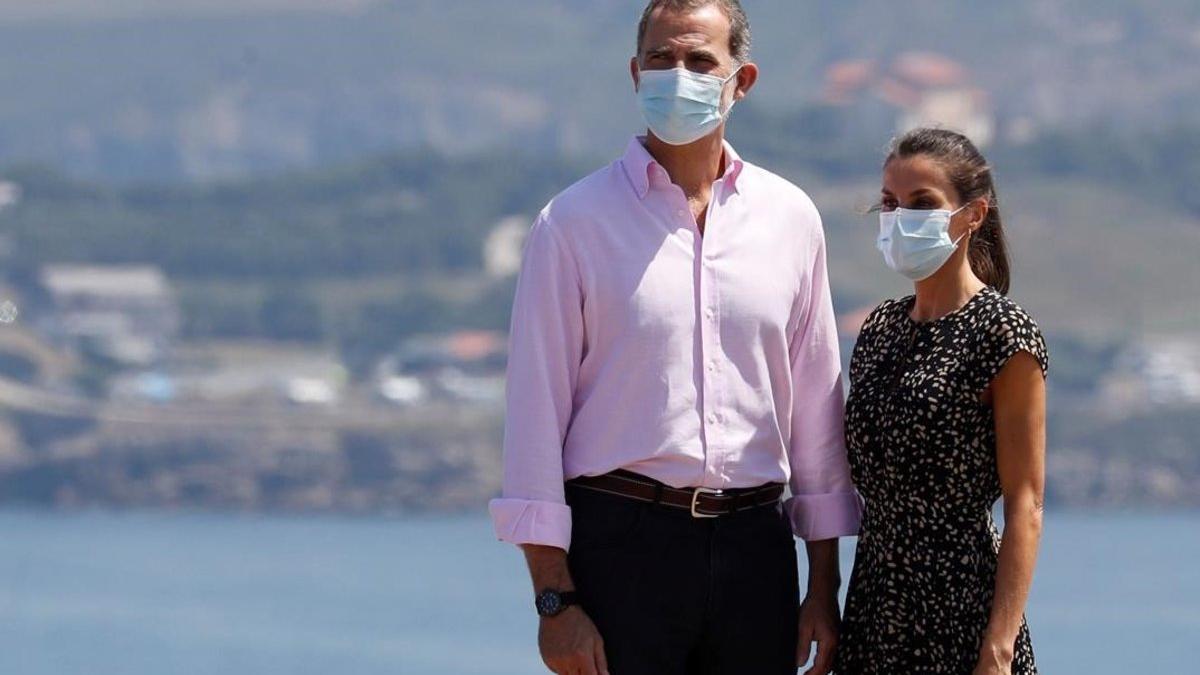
(946,414)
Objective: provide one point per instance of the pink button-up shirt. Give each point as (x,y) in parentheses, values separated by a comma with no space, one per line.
(709,360)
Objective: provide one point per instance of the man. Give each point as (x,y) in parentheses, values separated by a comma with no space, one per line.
(673,362)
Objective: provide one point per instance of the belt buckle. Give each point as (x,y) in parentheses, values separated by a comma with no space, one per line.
(696,492)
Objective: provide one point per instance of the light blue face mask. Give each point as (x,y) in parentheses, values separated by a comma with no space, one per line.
(680,106)
(916,243)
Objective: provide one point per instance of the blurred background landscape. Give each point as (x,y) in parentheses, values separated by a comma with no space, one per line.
(259,256)
(262,253)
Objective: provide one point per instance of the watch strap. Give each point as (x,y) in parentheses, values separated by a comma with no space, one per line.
(565,600)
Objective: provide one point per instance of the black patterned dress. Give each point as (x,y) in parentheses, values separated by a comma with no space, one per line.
(922,450)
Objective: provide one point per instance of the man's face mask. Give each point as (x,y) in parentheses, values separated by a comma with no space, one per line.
(680,106)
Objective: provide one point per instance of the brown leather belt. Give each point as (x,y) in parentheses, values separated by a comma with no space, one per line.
(702,502)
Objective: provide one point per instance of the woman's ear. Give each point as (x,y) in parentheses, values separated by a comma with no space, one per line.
(979,211)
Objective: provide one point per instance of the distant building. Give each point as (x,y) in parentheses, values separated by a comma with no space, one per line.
(472,351)
(310,391)
(466,366)
(127,313)
(252,370)
(1160,372)
(10,194)
(502,248)
(922,88)
(401,389)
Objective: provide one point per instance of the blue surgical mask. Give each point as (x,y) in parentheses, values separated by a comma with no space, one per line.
(916,243)
(680,106)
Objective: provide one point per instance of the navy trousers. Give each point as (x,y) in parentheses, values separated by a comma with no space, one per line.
(677,595)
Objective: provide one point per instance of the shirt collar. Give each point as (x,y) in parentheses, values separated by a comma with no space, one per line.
(643,171)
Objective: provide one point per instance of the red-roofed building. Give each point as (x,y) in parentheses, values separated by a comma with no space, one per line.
(923,88)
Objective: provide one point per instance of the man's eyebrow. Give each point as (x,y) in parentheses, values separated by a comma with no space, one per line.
(702,53)
(659,51)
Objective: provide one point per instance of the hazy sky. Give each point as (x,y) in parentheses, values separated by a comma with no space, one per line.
(22,10)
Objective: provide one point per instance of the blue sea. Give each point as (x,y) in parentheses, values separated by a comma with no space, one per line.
(182,594)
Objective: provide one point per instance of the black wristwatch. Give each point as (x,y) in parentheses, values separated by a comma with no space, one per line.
(551,602)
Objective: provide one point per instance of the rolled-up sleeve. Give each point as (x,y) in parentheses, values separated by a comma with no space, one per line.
(544,351)
(824,503)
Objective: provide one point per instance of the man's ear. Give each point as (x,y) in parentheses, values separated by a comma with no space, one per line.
(634,72)
(746,78)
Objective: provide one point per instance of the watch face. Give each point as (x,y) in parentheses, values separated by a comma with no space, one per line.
(549,603)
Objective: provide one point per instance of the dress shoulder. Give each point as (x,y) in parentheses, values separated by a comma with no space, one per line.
(883,314)
(1005,330)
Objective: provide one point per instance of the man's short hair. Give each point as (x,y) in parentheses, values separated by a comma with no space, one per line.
(739,25)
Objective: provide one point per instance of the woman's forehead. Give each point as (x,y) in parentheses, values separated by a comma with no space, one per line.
(910,174)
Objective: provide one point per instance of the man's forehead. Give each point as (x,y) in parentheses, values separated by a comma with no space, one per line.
(705,26)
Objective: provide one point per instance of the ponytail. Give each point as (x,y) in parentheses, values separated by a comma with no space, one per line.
(988,250)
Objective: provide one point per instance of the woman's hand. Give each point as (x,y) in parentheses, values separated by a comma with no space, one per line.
(994,660)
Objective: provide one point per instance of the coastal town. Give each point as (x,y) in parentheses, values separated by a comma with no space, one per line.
(102,402)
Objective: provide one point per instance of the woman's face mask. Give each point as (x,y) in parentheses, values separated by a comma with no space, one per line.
(916,243)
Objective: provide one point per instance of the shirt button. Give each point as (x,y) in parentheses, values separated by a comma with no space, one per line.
(708,311)
(679,213)
(712,418)
(712,365)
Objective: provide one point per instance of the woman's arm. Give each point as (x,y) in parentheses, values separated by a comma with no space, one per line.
(1019,401)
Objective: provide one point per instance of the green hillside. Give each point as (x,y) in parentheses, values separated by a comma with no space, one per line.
(1096,253)
(207,89)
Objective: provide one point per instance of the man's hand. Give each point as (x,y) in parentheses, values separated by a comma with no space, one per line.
(571,645)
(569,642)
(818,623)
(819,615)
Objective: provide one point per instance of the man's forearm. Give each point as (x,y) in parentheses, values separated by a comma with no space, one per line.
(824,577)
(548,567)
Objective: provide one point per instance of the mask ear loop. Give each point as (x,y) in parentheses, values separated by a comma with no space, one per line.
(964,234)
(725,113)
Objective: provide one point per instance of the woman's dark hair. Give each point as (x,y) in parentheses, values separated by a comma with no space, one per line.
(971,177)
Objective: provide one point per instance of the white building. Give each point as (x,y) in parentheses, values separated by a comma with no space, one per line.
(959,109)
(10,194)
(919,89)
(127,313)
(502,248)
